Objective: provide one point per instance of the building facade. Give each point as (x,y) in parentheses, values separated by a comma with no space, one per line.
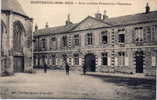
(15,38)
(125,44)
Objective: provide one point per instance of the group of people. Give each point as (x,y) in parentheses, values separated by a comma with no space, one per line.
(67,68)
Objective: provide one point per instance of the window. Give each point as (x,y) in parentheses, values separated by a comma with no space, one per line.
(76,59)
(76,40)
(153,33)
(139,34)
(104,59)
(64,38)
(70,61)
(53,59)
(53,43)
(89,39)
(121,58)
(44,43)
(104,37)
(121,36)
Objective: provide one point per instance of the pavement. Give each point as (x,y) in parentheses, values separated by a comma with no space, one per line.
(57,85)
(136,75)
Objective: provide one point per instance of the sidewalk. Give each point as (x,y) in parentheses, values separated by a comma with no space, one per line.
(136,76)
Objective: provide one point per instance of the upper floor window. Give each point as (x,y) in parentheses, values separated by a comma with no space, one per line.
(104,38)
(138,34)
(121,36)
(104,59)
(152,33)
(53,44)
(76,40)
(89,39)
(44,43)
(65,41)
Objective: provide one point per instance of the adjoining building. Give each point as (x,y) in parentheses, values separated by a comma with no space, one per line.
(125,44)
(15,38)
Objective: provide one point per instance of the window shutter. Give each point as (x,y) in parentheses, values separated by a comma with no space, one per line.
(109,61)
(153,60)
(80,61)
(56,61)
(85,39)
(133,36)
(72,61)
(99,61)
(126,61)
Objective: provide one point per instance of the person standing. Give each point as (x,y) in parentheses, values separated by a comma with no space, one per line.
(67,68)
(45,68)
(84,69)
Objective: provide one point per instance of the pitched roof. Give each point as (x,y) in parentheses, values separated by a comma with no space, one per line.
(12,5)
(53,30)
(94,23)
(110,22)
(132,19)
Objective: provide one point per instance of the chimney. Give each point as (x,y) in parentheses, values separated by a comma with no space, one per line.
(105,15)
(46,25)
(68,20)
(36,27)
(147,8)
(98,15)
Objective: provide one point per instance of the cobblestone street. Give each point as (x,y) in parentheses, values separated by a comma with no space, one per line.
(55,84)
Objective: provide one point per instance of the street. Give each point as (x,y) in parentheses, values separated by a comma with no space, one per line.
(55,84)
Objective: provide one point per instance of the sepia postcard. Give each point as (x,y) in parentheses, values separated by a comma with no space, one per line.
(78,49)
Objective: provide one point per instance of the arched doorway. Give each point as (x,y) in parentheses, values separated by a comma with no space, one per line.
(90,62)
(139,59)
(18,44)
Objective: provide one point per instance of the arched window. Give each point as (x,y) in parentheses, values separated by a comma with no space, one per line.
(18,31)
(3,37)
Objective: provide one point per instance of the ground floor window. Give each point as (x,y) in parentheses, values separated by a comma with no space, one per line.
(104,59)
(70,61)
(53,60)
(121,58)
(76,59)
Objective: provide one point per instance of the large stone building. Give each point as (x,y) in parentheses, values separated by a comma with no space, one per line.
(125,44)
(15,38)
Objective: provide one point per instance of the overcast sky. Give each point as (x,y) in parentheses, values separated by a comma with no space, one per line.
(56,14)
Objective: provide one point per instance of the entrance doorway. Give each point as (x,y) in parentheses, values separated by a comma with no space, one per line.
(90,62)
(139,58)
(18,64)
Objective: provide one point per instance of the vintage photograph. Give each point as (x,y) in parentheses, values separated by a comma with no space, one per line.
(78,49)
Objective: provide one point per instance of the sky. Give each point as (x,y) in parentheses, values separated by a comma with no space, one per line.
(56,14)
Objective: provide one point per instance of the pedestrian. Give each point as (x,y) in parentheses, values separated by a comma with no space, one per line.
(84,69)
(45,68)
(67,68)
